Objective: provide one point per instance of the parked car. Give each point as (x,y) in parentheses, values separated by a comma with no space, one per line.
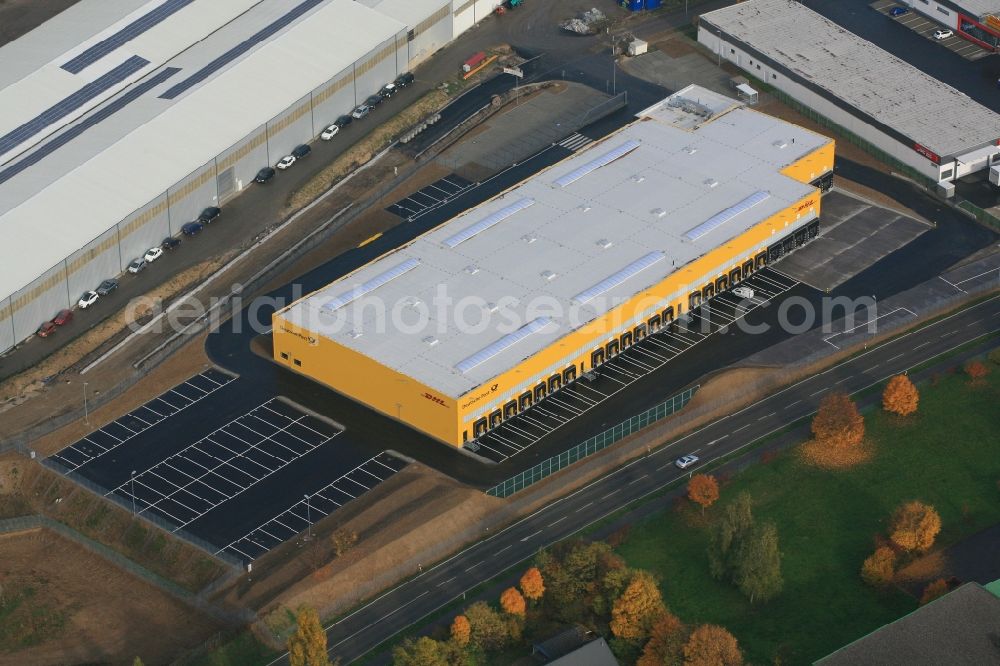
(743,292)
(285,162)
(943,34)
(403,80)
(330,132)
(209,214)
(154,253)
(192,228)
(343,121)
(46,329)
(136,265)
(686,461)
(373,101)
(170,243)
(107,287)
(264,175)
(63,317)
(301,151)
(899,11)
(361,112)
(387,91)
(88,299)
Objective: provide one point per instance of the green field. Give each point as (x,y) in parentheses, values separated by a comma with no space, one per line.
(948,454)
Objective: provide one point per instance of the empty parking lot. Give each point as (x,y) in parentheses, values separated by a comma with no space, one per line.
(431,197)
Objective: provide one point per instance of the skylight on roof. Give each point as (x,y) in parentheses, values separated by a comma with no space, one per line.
(621,276)
(487,222)
(504,343)
(595,164)
(371,285)
(724,216)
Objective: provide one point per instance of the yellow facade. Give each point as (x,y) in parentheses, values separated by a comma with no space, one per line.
(455,421)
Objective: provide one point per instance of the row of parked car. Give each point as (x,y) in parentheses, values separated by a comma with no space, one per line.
(331,130)
(137,265)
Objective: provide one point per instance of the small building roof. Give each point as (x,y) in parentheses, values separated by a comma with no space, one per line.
(594,653)
(563,643)
(881,86)
(959,628)
(979,9)
(472,298)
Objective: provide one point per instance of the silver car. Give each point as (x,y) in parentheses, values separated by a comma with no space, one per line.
(686,461)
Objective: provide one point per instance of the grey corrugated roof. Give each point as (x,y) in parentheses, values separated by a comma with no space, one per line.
(877,83)
(979,8)
(594,653)
(962,628)
(552,250)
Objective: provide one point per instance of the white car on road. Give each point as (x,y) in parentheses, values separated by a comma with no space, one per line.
(152,254)
(743,292)
(330,132)
(686,461)
(88,299)
(285,162)
(943,34)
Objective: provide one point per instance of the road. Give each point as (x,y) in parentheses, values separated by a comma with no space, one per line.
(357,633)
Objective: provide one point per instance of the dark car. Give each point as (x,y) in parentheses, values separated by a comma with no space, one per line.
(107,287)
(209,214)
(63,317)
(264,175)
(898,11)
(192,228)
(373,101)
(403,80)
(46,329)
(170,243)
(301,151)
(343,121)
(387,91)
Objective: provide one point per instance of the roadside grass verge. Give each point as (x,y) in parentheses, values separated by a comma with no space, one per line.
(946,455)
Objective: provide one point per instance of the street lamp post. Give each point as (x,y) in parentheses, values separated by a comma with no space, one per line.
(132,493)
(309,516)
(86,412)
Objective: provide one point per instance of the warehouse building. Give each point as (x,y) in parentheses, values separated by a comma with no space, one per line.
(915,119)
(120,120)
(975,20)
(489,313)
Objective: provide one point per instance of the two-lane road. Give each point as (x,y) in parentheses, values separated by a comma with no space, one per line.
(380,619)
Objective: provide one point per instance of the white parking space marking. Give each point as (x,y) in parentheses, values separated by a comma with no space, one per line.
(622,370)
(430,197)
(139,420)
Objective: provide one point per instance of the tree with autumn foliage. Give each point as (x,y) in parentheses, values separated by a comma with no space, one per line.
(837,423)
(900,396)
(879,568)
(425,651)
(935,589)
(460,630)
(915,525)
(490,630)
(512,602)
(977,371)
(703,490)
(307,645)
(711,645)
(666,642)
(638,607)
(532,584)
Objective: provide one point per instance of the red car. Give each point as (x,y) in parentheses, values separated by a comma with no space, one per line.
(63,317)
(46,329)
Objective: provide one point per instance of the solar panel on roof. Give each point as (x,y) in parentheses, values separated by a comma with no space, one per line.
(724,216)
(487,222)
(371,285)
(506,342)
(70,104)
(618,278)
(109,110)
(238,50)
(597,163)
(125,35)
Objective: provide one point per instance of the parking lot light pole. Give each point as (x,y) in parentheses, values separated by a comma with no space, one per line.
(132,493)
(86,413)
(309,516)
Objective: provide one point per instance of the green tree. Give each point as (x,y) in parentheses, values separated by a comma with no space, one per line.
(731,532)
(307,646)
(424,651)
(137,662)
(489,630)
(758,567)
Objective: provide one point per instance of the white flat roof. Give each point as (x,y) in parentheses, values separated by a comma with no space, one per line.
(114,168)
(575,239)
(875,82)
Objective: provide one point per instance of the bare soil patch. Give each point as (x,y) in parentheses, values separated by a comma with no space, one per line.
(65,605)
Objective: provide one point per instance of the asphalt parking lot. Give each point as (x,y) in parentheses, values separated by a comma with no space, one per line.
(925,27)
(430,197)
(545,417)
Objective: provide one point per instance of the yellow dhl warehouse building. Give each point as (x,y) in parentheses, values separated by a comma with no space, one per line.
(487,314)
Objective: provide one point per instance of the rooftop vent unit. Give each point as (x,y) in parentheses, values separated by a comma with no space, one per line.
(780,143)
(710,182)
(584,208)
(657,212)
(690,150)
(472,270)
(604,243)
(355,334)
(548,276)
(690,106)
(430,341)
(638,178)
(529,238)
(492,307)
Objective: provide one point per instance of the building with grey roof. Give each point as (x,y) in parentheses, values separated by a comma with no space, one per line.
(917,120)
(106,145)
(975,20)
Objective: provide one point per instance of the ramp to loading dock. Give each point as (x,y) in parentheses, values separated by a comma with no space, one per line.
(854,234)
